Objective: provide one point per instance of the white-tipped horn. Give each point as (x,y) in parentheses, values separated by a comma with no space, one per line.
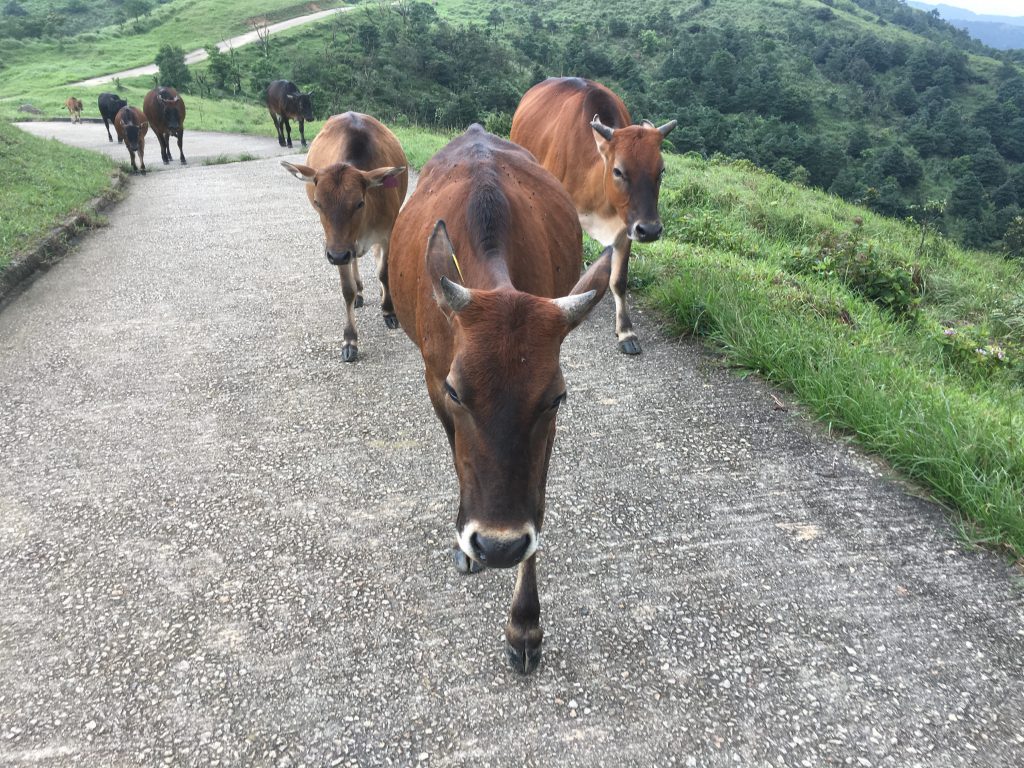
(666,129)
(575,307)
(601,128)
(455,295)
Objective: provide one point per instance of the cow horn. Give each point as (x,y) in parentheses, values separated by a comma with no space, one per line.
(601,128)
(646,123)
(457,296)
(666,129)
(575,307)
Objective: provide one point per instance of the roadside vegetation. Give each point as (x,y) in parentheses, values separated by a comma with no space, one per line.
(42,182)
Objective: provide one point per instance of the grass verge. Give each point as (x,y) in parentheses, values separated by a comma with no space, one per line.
(42,182)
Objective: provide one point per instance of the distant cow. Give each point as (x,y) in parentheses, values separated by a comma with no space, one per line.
(356,178)
(131,127)
(165,110)
(285,103)
(583,134)
(110,104)
(481,249)
(74,107)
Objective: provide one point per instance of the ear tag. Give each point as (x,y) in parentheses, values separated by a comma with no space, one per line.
(390,182)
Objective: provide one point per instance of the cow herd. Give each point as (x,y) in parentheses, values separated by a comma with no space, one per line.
(481,269)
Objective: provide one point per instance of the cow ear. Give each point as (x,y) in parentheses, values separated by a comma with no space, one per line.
(588,291)
(445,273)
(301,172)
(383,177)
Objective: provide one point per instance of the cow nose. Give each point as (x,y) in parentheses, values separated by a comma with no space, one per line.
(648,231)
(499,552)
(339,259)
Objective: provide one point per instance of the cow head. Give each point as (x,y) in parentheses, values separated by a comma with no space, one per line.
(633,169)
(338,192)
(169,108)
(130,129)
(300,105)
(498,399)
(118,104)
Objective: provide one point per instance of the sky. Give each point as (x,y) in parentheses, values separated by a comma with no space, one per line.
(991,7)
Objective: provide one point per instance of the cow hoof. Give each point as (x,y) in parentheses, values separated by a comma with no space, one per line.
(281,143)
(184,161)
(358,302)
(290,145)
(523,660)
(465,564)
(349,353)
(630,346)
(167,162)
(391,321)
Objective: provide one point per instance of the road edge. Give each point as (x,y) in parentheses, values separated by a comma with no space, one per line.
(55,245)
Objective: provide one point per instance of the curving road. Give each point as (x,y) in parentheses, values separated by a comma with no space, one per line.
(200,54)
(219,544)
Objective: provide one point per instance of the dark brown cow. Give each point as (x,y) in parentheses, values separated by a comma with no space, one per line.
(165,110)
(131,127)
(109,105)
(285,102)
(582,133)
(355,179)
(74,107)
(480,250)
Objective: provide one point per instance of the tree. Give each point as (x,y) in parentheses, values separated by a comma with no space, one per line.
(171,63)
(1013,239)
(135,9)
(968,197)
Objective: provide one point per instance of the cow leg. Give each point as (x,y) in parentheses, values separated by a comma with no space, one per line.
(628,342)
(302,130)
(164,154)
(181,153)
(142,149)
(277,127)
(523,634)
(380,255)
(350,346)
(107,126)
(288,127)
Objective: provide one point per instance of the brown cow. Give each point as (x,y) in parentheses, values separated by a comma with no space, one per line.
(131,127)
(355,179)
(165,110)
(501,239)
(74,107)
(581,132)
(285,102)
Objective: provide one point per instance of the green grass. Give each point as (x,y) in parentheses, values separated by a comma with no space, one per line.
(41,183)
(952,420)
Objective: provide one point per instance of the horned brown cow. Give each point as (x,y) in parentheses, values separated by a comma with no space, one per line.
(581,132)
(131,127)
(74,107)
(165,111)
(355,176)
(480,250)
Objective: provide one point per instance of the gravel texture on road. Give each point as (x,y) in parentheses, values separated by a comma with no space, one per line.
(221,545)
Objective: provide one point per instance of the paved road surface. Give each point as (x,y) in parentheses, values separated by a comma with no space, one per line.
(219,544)
(200,54)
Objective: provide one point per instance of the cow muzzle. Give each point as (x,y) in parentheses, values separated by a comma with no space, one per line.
(646,231)
(339,258)
(498,548)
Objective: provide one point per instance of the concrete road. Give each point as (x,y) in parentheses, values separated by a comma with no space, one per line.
(198,146)
(220,545)
(200,54)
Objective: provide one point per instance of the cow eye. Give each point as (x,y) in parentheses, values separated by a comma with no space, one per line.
(452,394)
(559,400)
(617,173)
(360,204)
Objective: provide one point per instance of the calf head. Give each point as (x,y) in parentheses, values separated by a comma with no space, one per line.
(633,170)
(338,192)
(498,398)
(299,105)
(130,129)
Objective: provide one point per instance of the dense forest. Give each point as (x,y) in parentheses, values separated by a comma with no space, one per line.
(870,99)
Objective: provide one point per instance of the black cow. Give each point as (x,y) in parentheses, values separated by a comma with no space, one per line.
(285,101)
(110,104)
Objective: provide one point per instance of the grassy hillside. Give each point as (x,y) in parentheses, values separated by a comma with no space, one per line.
(41,183)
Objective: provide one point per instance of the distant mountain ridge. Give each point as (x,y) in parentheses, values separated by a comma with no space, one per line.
(1002,32)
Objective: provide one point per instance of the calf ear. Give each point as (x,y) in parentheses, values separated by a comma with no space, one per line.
(383,177)
(588,291)
(301,172)
(444,271)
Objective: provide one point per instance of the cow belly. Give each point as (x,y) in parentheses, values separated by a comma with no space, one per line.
(605,230)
